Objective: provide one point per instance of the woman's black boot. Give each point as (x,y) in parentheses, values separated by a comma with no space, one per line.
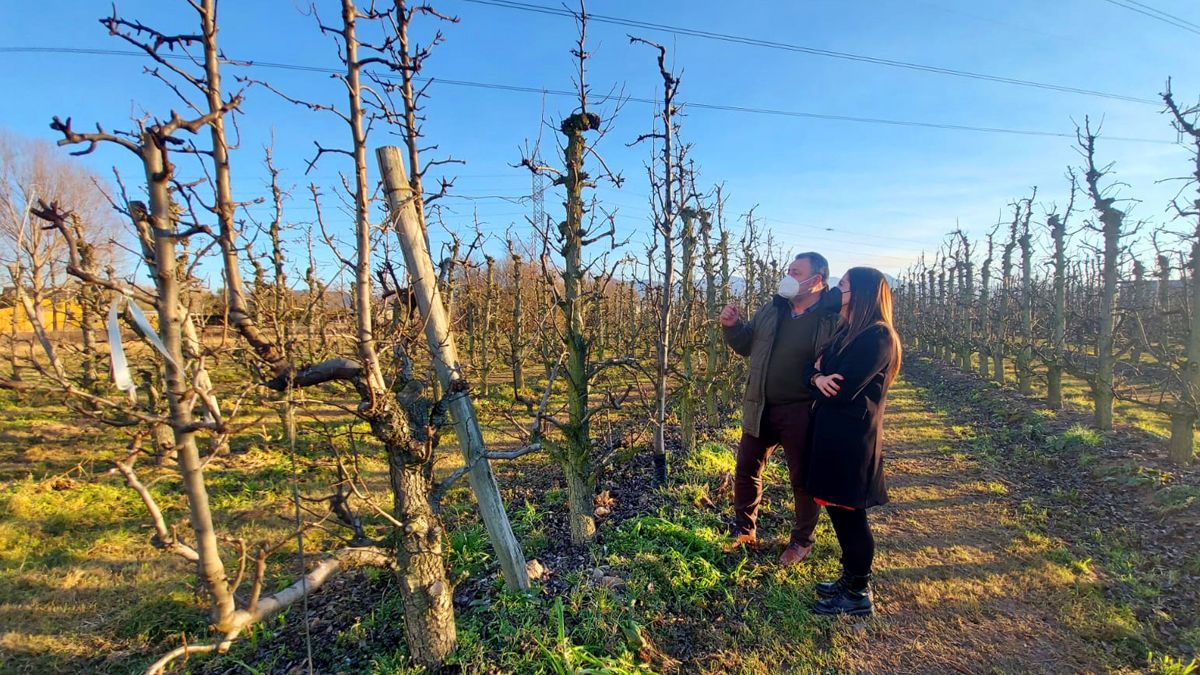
(855,598)
(831,589)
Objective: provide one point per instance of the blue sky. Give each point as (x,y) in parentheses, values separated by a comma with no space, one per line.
(860,193)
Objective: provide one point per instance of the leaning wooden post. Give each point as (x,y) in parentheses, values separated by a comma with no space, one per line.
(449,370)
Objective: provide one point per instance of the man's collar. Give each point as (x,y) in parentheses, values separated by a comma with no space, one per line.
(816,305)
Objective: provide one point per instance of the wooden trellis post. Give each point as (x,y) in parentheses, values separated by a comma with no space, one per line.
(423,281)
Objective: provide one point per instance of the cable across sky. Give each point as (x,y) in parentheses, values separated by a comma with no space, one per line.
(812,51)
(699,105)
(1156,14)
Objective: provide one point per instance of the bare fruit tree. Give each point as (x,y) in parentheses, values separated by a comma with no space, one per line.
(576,283)
(1112,229)
(165,227)
(665,205)
(1183,419)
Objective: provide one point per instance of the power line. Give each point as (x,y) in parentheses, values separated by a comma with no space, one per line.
(1159,11)
(813,51)
(632,99)
(1158,15)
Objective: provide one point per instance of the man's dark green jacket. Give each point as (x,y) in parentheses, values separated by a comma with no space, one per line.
(755,339)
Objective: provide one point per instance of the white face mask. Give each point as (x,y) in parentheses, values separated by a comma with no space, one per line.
(789,288)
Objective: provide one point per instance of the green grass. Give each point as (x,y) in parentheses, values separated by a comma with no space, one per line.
(1078,436)
(672,562)
(1163,664)
(1178,497)
(76,565)
(529,526)
(76,561)
(469,551)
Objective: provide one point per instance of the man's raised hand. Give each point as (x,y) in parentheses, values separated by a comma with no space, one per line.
(728,316)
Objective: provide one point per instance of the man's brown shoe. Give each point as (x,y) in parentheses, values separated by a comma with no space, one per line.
(794,554)
(737,541)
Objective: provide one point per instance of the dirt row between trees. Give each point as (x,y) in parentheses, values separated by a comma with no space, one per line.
(1018,541)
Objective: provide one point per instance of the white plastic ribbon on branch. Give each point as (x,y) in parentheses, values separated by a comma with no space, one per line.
(120,367)
(148,331)
(121,377)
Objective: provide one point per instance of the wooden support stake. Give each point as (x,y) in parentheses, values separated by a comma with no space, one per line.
(423,281)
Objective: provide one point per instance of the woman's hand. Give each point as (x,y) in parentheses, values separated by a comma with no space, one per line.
(828,384)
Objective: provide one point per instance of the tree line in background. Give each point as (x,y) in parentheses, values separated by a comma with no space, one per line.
(1067,295)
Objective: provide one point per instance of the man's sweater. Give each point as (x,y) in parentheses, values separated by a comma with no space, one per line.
(794,350)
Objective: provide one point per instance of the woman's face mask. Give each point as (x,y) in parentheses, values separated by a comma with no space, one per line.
(832,299)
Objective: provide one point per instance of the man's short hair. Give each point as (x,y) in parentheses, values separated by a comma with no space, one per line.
(817,263)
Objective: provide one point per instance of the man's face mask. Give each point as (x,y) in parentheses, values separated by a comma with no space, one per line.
(789,287)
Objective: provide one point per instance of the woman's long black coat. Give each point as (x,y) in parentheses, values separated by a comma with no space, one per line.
(846,454)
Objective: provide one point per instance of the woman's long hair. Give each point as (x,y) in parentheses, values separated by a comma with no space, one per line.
(870,304)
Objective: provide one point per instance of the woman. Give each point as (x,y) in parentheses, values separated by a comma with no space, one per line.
(845,474)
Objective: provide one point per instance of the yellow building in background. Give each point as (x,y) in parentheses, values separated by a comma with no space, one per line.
(62,315)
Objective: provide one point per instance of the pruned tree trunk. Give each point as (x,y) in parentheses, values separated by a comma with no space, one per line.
(1138,310)
(986,326)
(1025,331)
(1111,223)
(488,329)
(712,334)
(517,336)
(1058,318)
(160,222)
(1164,300)
(575,451)
(732,373)
(664,224)
(943,349)
(749,266)
(425,591)
(1004,298)
(688,405)
(954,307)
(967,289)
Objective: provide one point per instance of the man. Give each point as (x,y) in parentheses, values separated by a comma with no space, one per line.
(782,340)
